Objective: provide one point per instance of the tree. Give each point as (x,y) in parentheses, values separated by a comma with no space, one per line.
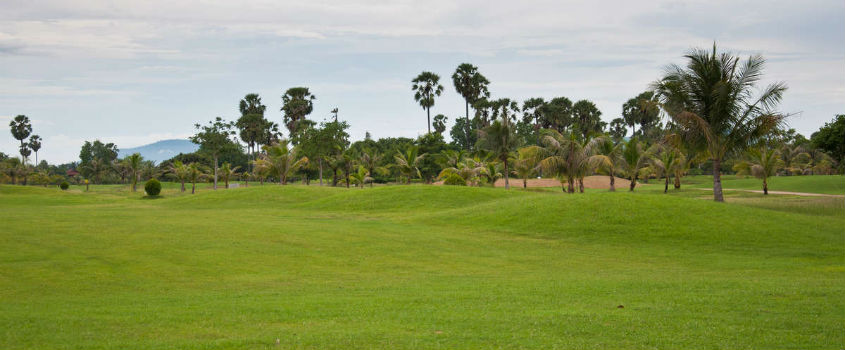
(532,113)
(214,139)
(472,86)
(227,172)
(617,129)
(557,114)
(181,172)
(21,128)
(525,164)
(607,157)
(712,101)
(636,158)
(297,103)
(252,124)
(195,173)
(95,169)
(587,117)
(370,160)
(763,163)
(500,139)
(426,87)
(323,143)
(831,138)
(408,162)
(440,123)
(35,145)
(284,160)
(464,133)
(134,161)
(665,163)
(642,110)
(361,176)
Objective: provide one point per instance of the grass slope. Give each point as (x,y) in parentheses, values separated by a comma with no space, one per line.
(414,267)
(825,184)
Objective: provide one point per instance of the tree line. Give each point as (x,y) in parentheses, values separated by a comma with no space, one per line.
(706,116)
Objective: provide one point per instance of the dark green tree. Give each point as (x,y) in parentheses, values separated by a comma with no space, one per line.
(642,110)
(831,138)
(500,139)
(298,103)
(557,114)
(426,87)
(617,129)
(588,118)
(440,123)
(215,138)
(472,86)
(35,145)
(21,128)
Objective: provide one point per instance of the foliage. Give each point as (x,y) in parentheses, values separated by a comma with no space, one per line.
(831,138)
(453,179)
(215,138)
(426,87)
(297,103)
(152,187)
(64,185)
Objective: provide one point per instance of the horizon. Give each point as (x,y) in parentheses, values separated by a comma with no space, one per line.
(135,74)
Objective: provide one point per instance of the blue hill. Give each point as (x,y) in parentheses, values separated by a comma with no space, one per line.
(161,150)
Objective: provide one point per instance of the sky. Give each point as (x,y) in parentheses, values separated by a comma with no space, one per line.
(135,72)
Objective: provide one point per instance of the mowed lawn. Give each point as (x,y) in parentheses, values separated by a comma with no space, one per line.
(824,184)
(415,267)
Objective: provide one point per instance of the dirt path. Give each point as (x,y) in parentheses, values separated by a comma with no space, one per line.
(807,194)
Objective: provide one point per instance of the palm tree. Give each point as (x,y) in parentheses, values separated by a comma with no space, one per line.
(763,163)
(283,160)
(195,173)
(565,157)
(471,85)
(96,168)
(181,172)
(525,165)
(636,159)
(134,163)
(227,172)
(607,157)
(35,145)
(793,159)
(408,162)
(665,163)
(500,139)
(426,87)
(297,102)
(361,177)
(21,128)
(261,169)
(370,160)
(712,100)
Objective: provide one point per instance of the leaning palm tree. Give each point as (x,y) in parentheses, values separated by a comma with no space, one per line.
(283,160)
(607,157)
(712,100)
(228,172)
(181,172)
(501,140)
(763,163)
(134,162)
(426,87)
(636,159)
(408,162)
(526,163)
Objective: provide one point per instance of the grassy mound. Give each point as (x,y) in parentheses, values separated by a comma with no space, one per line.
(414,267)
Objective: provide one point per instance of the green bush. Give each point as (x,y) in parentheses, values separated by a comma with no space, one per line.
(152,187)
(64,185)
(454,180)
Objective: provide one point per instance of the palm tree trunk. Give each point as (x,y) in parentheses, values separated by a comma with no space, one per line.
(571,183)
(466,127)
(717,180)
(507,184)
(193,187)
(215,171)
(765,187)
(633,182)
(581,185)
(612,182)
(183,185)
(525,183)
(321,171)
(428,116)
(677,179)
(666,186)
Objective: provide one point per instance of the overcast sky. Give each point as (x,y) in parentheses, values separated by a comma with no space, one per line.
(134,72)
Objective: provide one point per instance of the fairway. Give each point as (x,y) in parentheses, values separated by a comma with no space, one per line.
(430,267)
(822,184)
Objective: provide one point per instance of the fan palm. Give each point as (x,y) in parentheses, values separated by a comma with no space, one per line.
(472,86)
(712,100)
(195,173)
(426,87)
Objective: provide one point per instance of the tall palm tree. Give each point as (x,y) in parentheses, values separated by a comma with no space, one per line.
(408,162)
(181,172)
(21,128)
(607,157)
(712,100)
(526,162)
(471,85)
(426,87)
(35,145)
(636,159)
(763,163)
(284,160)
(134,162)
(501,140)
(297,102)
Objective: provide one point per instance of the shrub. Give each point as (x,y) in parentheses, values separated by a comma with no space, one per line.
(64,185)
(152,187)
(454,180)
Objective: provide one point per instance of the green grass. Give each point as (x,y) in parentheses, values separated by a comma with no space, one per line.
(825,184)
(417,267)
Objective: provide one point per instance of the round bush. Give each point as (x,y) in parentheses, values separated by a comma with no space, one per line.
(152,187)
(454,180)
(64,185)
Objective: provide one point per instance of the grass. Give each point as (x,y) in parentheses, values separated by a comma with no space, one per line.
(417,267)
(824,184)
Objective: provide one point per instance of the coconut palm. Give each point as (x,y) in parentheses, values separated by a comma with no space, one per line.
(426,87)
(712,101)
(526,162)
(763,162)
(665,163)
(195,173)
(283,160)
(501,140)
(228,172)
(261,169)
(361,177)
(181,172)
(564,157)
(636,160)
(96,168)
(370,160)
(794,159)
(134,162)
(607,157)
(408,162)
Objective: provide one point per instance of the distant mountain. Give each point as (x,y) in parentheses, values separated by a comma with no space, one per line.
(161,150)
